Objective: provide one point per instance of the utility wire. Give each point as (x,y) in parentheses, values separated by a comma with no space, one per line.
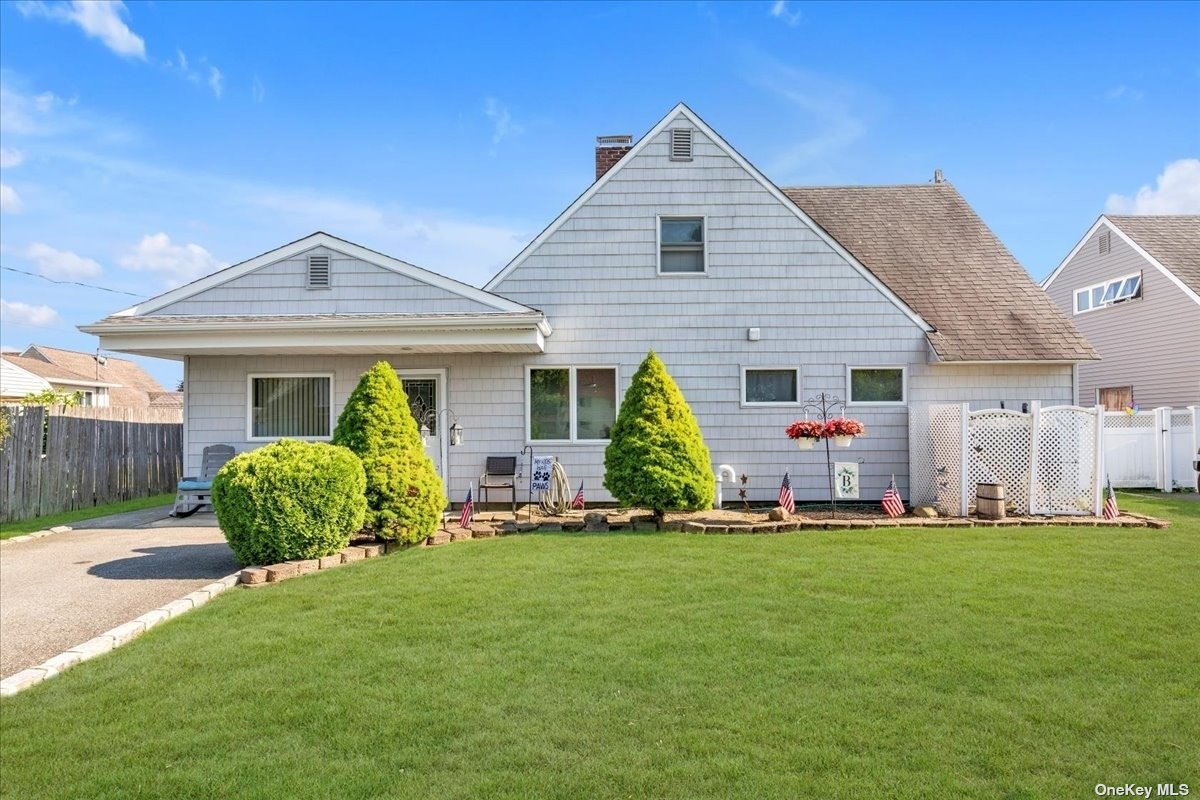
(74,283)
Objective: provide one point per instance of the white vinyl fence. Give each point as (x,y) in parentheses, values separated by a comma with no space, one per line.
(1152,449)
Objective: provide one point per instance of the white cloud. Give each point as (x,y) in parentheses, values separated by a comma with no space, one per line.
(1177,192)
(10,158)
(502,121)
(10,201)
(18,313)
(61,265)
(779,10)
(99,19)
(1123,92)
(215,80)
(257,90)
(178,263)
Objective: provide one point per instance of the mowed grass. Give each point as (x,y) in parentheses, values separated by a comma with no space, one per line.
(10,529)
(1028,663)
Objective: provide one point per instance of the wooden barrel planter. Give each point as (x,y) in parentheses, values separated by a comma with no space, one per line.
(989,501)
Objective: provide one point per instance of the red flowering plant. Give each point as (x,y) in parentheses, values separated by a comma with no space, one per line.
(844,426)
(805,429)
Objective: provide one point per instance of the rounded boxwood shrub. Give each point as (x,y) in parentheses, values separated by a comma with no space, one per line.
(657,458)
(290,500)
(405,496)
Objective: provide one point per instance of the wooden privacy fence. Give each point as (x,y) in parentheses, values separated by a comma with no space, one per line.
(61,459)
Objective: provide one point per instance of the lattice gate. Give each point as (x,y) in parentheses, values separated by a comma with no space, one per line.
(1047,460)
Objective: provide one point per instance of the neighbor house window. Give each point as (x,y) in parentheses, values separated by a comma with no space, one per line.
(290,406)
(681,245)
(876,385)
(1117,290)
(770,386)
(572,404)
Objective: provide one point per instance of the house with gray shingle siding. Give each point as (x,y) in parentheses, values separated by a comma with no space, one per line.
(756,297)
(1132,287)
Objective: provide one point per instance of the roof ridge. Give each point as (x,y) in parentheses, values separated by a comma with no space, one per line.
(929,185)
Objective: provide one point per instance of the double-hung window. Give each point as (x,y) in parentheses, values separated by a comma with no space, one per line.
(571,404)
(681,248)
(289,406)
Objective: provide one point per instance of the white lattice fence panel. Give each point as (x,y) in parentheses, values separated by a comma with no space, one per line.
(1120,421)
(1065,461)
(945,439)
(999,453)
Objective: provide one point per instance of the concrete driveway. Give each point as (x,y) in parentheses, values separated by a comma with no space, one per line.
(62,590)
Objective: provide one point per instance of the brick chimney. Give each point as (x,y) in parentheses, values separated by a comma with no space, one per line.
(609,150)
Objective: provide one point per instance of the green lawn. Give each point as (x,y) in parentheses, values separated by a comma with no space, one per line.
(10,529)
(1023,663)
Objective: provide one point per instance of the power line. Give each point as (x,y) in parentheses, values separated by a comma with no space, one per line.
(74,283)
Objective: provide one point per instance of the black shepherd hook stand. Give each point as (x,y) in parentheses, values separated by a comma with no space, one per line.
(529,506)
(824,404)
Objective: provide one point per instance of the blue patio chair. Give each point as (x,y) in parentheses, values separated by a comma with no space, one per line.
(192,493)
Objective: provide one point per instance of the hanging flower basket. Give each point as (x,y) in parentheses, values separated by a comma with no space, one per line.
(805,433)
(843,430)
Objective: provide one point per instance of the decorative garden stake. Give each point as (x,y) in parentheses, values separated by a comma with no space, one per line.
(841,429)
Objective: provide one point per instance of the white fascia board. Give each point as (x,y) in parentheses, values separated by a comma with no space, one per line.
(342,246)
(293,341)
(717,139)
(83,382)
(303,324)
(1137,248)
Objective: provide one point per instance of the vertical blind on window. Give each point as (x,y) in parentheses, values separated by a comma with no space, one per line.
(287,406)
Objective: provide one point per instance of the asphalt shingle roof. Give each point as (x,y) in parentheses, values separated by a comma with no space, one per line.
(133,384)
(1173,240)
(932,250)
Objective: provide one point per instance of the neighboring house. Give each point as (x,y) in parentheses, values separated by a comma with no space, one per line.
(100,380)
(16,382)
(1132,286)
(756,298)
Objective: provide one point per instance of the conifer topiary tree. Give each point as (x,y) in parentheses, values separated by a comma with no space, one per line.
(405,496)
(657,458)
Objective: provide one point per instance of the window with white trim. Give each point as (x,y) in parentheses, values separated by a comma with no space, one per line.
(876,386)
(681,245)
(1102,295)
(571,404)
(289,406)
(770,386)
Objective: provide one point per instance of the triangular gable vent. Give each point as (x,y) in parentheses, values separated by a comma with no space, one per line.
(318,272)
(681,144)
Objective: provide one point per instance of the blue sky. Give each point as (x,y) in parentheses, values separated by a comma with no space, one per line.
(149,143)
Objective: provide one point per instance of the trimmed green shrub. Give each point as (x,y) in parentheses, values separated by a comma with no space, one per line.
(289,500)
(405,497)
(657,458)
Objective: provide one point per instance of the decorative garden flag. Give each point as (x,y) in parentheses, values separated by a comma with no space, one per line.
(540,482)
(845,475)
(578,501)
(464,519)
(893,506)
(785,495)
(1110,503)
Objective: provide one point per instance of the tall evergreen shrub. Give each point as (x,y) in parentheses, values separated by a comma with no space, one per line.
(657,458)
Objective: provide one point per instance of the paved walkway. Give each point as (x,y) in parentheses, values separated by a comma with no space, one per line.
(62,590)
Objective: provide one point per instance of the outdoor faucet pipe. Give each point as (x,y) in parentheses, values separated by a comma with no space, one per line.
(724,472)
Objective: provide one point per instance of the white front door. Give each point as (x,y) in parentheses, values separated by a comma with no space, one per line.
(426,399)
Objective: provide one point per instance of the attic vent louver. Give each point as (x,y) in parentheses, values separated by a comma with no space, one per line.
(1106,241)
(318,272)
(681,144)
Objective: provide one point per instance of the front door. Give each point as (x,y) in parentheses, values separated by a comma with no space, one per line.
(425,403)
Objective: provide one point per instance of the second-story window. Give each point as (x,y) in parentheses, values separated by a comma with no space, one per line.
(681,245)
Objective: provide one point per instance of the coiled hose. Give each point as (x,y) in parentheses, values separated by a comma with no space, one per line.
(557,499)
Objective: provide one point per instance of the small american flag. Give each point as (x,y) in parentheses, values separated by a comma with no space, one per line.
(1110,503)
(578,501)
(893,506)
(785,495)
(464,519)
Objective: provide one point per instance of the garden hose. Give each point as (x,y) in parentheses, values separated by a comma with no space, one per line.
(557,499)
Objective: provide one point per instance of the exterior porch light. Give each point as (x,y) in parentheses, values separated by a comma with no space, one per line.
(431,417)
(456,432)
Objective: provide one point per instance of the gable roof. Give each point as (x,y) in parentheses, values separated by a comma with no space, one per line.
(927,244)
(715,138)
(129,384)
(1171,243)
(322,239)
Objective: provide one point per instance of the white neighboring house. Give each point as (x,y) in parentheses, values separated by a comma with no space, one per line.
(756,297)
(1132,286)
(16,382)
